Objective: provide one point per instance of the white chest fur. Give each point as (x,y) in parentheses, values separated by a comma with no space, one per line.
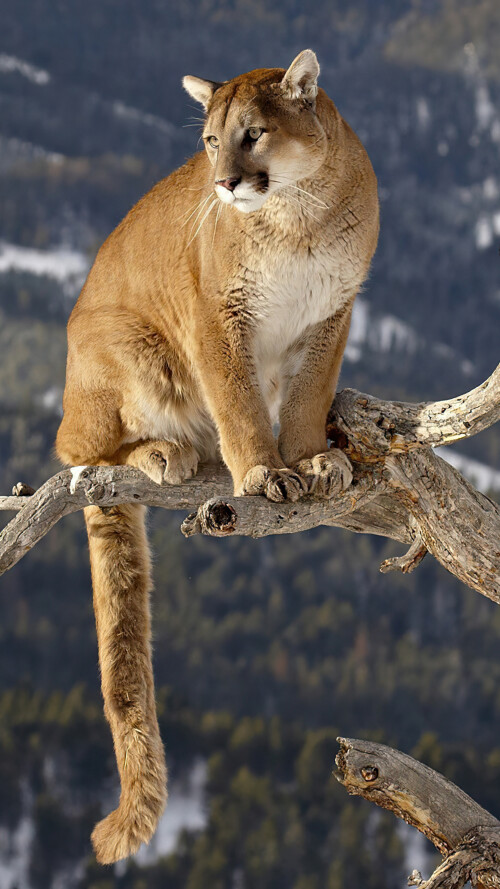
(293,293)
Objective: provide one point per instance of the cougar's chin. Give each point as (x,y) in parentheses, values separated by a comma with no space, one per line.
(247,202)
(248,205)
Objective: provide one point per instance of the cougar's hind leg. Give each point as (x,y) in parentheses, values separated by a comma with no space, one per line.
(91,429)
(121,579)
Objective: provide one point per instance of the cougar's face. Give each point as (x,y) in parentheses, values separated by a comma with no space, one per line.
(259,141)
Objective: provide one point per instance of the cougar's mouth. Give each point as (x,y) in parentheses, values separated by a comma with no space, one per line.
(245,203)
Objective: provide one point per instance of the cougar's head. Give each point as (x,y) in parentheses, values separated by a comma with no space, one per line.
(261,130)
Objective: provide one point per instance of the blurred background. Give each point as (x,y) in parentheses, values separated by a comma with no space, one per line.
(265,650)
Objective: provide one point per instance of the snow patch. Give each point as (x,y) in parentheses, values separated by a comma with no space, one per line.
(381,334)
(482,476)
(185,811)
(484,233)
(76,473)
(135,114)
(391,333)
(15,852)
(495,131)
(485,109)
(467,367)
(51,399)
(360,321)
(16,846)
(11,64)
(490,188)
(387,333)
(61,263)
(423,113)
(418,852)
(14,151)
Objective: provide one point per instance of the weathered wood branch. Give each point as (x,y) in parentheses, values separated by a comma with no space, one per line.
(376,427)
(107,486)
(466,834)
(401,490)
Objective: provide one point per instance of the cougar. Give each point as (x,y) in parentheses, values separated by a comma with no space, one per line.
(218,307)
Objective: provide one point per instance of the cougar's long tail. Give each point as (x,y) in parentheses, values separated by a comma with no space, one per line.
(121,579)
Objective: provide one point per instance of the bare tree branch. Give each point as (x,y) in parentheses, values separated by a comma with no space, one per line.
(379,427)
(465,833)
(401,489)
(108,486)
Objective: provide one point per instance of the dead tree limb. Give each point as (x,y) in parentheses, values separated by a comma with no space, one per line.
(377,427)
(401,490)
(466,834)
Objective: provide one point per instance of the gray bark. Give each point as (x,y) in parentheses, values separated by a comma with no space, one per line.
(466,834)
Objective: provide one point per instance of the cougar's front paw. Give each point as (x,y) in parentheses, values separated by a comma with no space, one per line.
(165,462)
(326,474)
(275,484)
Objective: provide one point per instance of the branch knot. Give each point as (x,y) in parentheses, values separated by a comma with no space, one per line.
(214,517)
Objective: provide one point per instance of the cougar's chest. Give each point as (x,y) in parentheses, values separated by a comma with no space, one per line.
(292,294)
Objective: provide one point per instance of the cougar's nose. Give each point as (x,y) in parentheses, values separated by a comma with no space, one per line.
(230,183)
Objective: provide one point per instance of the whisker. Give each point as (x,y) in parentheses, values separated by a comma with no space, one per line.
(310,213)
(199,207)
(205,216)
(309,203)
(304,199)
(290,184)
(200,211)
(195,208)
(314,198)
(219,208)
(298,201)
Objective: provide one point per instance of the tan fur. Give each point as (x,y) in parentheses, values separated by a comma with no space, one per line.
(207,315)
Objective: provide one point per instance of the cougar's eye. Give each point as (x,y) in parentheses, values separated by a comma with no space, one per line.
(213,141)
(255,133)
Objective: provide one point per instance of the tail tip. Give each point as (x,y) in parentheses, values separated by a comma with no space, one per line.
(117,837)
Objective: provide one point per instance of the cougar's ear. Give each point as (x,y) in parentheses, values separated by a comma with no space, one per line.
(200,90)
(300,81)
